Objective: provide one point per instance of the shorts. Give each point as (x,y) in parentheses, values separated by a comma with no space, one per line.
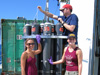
(71,73)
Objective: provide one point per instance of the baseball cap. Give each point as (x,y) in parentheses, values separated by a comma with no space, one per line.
(71,35)
(66,6)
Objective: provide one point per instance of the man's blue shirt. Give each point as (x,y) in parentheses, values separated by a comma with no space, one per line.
(70,20)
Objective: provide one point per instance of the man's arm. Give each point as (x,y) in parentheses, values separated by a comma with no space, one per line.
(48,14)
(68,27)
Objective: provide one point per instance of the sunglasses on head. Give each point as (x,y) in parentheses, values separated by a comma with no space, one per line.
(30,43)
(62,10)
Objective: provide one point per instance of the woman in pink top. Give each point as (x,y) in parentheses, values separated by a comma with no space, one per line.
(28,59)
(73,57)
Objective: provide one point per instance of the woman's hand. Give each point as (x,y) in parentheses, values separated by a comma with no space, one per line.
(38,38)
(50,60)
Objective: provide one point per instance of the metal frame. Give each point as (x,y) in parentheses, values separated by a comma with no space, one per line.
(46,36)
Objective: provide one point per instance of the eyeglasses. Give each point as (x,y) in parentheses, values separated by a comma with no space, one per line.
(30,43)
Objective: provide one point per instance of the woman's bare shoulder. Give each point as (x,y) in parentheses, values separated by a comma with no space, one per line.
(65,49)
(79,51)
(24,54)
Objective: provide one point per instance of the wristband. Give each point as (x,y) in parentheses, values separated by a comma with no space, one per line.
(63,23)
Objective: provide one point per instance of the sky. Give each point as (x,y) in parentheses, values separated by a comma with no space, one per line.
(11,9)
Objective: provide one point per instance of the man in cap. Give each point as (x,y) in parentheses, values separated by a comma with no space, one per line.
(68,20)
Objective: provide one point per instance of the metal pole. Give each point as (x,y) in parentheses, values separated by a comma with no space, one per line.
(47,10)
(58,56)
(92,58)
(46,55)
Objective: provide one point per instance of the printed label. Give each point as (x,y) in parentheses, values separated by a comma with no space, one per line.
(46,28)
(61,29)
(33,29)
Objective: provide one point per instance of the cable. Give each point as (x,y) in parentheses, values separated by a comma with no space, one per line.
(36,15)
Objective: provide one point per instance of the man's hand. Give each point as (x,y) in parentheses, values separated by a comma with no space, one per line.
(60,20)
(39,7)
